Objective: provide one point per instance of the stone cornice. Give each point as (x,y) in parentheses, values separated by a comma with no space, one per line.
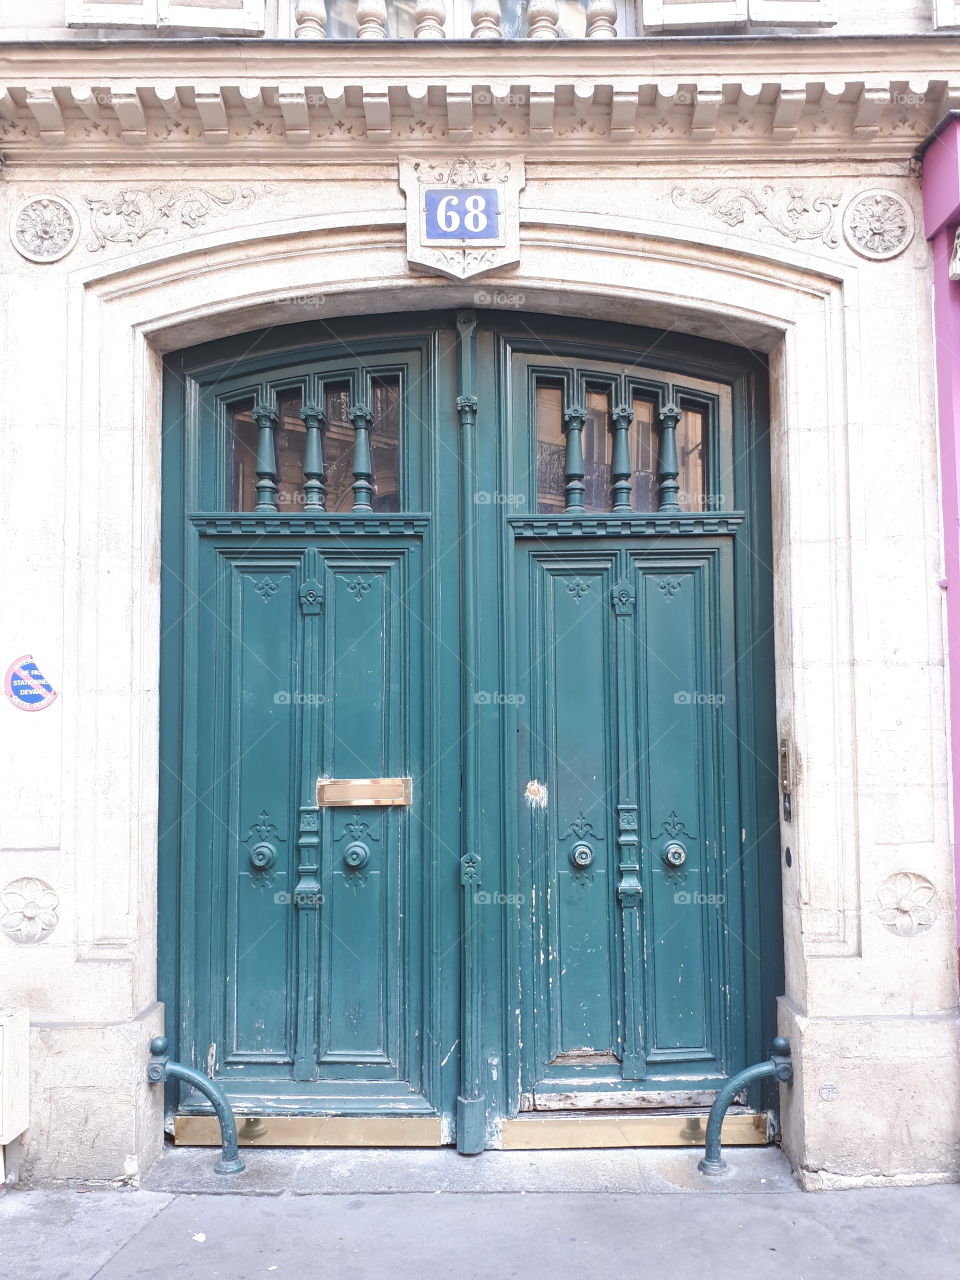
(229,99)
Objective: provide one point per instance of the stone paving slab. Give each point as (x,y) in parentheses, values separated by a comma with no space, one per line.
(356,1171)
(890,1234)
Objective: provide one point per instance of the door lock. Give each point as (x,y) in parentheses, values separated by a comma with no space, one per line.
(262,856)
(356,855)
(674,855)
(581,856)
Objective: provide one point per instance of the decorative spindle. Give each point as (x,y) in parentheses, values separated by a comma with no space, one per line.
(429,16)
(668,470)
(573,423)
(371,20)
(485,16)
(311,18)
(621,470)
(362,420)
(314,477)
(601,20)
(266,419)
(543,20)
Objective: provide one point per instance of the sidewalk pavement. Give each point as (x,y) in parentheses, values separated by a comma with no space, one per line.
(544,1216)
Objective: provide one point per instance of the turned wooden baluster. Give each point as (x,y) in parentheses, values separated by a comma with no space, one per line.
(543,20)
(371,20)
(311,18)
(621,471)
(362,420)
(429,16)
(314,476)
(573,423)
(485,16)
(668,470)
(266,419)
(601,20)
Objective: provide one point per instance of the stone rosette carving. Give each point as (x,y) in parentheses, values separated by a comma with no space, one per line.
(790,211)
(132,215)
(908,904)
(878,225)
(29,910)
(44,228)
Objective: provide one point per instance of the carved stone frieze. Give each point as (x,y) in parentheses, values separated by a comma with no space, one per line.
(131,215)
(790,211)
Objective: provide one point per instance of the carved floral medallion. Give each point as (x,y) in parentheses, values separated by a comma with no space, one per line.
(29,910)
(878,225)
(44,228)
(908,904)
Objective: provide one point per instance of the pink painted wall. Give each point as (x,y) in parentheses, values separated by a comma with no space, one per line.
(941,208)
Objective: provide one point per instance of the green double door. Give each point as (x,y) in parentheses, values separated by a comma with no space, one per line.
(468,811)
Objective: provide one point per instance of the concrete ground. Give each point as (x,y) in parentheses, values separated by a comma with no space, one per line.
(429,1215)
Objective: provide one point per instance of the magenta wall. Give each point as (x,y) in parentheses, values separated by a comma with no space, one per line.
(941,210)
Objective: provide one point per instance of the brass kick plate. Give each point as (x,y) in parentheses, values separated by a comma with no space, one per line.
(359,793)
(553,1132)
(313,1131)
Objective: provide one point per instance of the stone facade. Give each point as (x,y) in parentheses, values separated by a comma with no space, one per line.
(161,193)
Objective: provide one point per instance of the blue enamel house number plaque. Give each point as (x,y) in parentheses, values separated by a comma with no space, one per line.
(471,213)
(463,212)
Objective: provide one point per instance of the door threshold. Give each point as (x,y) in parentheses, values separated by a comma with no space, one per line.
(681,1129)
(313,1131)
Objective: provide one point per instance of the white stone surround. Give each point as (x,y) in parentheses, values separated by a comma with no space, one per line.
(605,232)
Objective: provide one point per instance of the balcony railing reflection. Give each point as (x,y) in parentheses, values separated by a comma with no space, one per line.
(478,20)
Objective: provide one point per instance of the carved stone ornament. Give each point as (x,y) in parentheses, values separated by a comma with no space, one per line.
(29,910)
(908,903)
(132,215)
(44,228)
(790,211)
(878,225)
(463,213)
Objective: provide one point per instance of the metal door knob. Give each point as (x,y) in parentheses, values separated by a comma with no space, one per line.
(674,855)
(581,856)
(356,855)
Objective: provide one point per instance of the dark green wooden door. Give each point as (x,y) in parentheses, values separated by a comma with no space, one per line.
(522,566)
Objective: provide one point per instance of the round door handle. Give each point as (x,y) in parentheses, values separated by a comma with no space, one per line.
(674,855)
(262,856)
(356,855)
(581,856)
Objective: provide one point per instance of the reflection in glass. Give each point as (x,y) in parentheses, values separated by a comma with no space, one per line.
(643,454)
(290,438)
(597,447)
(385,443)
(691,433)
(338,445)
(551,448)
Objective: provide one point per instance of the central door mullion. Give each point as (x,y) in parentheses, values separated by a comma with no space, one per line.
(471,1105)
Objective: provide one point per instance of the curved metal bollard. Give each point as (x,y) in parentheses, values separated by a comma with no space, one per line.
(161,1068)
(778,1065)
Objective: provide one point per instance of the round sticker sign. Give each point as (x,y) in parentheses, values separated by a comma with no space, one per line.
(26,687)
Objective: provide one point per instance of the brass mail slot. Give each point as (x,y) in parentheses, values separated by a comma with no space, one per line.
(362,792)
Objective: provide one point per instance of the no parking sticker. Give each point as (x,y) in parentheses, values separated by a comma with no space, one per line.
(26,687)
